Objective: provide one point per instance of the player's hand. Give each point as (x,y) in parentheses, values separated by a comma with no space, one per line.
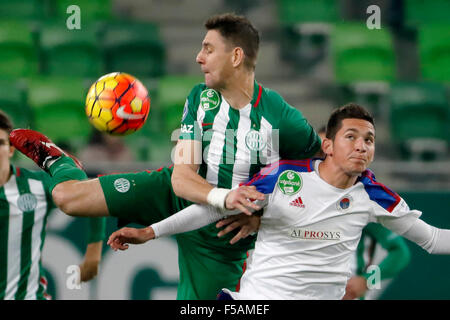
(241,199)
(248,225)
(356,288)
(88,270)
(90,265)
(119,239)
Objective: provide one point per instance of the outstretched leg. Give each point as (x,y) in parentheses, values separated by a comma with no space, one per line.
(71,190)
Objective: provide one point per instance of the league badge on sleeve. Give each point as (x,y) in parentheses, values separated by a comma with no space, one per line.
(289,182)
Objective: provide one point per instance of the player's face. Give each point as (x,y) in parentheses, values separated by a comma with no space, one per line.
(215,59)
(353,147)
(6,151)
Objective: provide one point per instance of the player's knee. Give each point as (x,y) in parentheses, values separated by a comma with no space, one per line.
(63,199)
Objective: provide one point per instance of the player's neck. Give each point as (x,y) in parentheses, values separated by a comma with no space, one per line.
(239,90)
(5,174)
(335,176)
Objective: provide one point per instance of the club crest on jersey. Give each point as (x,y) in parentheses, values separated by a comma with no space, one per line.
(344,203)
(122,185)
(254,140)
(289,182)
(27,202)
(209,99)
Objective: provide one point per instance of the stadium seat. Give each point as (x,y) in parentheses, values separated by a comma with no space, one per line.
(18,55)
(58,107)
(134,48)
(173,91)
(23,9)
(422,12)
(91,10)
(67,52)
(305,28)
(361,54)
(420,119)
(301,11)
(434,50)
(13,101)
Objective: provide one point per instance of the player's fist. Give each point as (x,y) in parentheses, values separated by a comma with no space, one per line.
(356,288)
(241,199)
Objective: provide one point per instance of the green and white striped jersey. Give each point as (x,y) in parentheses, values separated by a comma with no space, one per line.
(24,207)
(237,143)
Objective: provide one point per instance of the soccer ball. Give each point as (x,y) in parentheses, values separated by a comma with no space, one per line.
(117,104)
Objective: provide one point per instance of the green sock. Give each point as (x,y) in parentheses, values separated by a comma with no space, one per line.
(65,169)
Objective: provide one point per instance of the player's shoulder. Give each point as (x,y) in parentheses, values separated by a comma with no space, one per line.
(379,192)
(271,100)
(274,104)
(23,173)
(267,177)
(199,89)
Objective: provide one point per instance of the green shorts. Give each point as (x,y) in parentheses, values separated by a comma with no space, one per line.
(206,263)
(144,197)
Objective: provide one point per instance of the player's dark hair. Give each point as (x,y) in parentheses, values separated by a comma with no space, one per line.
(5,122)
(240,32)
(348,111)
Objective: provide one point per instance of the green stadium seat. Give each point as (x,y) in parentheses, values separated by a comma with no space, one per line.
(173,91)
(58,108)
(13,102)
(305,28)
(134,48)
(420,119)
(422,12)
(434,50)
(91,10)
(67,52)
(301,11)
(361,54)
(18,55)
(23,9)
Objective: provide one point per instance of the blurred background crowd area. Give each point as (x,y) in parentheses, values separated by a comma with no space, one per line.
(318,54)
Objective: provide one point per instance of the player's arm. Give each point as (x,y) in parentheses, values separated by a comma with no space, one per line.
(188,219)
(188,184)
(297,138)
(398,255)
(433,240)
(191,218)
(397,258)
(93,255)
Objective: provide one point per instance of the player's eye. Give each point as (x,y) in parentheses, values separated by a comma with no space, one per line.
(4,142)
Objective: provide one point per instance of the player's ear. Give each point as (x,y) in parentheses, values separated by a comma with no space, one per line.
(238,56)
(327,146)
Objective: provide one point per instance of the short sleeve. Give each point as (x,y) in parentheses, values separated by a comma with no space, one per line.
(400,219)
(298,139)
(190,128)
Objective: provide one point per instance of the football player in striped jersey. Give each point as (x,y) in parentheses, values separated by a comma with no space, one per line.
(25,207)
(231,127)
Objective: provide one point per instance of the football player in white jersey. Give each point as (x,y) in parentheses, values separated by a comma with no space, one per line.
(313,217)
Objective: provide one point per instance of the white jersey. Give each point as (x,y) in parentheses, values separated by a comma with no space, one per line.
(310,230)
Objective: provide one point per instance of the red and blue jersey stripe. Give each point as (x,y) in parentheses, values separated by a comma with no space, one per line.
(378,192)
(265,180)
